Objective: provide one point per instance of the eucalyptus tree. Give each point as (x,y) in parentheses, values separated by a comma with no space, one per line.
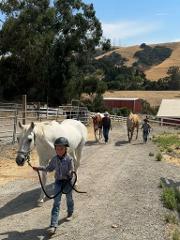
(45,47)
(26,38)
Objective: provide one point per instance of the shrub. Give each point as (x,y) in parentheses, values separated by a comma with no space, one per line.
(159,157)
(171,218)
(176,235)
(169,198)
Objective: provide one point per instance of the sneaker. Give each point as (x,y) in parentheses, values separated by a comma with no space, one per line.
(69,217)
(51,230)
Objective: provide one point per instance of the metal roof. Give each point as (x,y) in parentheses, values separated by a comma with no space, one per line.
(169,108)
(126,99)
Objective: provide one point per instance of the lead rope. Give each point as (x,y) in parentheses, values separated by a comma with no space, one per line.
(64,184)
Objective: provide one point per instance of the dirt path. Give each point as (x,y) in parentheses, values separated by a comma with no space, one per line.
(122,184)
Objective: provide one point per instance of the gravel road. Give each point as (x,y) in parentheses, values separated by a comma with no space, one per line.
(122,200)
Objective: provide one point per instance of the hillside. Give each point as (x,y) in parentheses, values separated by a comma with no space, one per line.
(157,71)
(153,97)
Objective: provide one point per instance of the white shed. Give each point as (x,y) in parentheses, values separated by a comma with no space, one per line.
(169,111)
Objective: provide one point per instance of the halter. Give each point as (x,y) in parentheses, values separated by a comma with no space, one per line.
(27,154)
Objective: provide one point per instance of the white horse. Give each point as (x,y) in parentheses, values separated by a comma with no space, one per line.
(43,135)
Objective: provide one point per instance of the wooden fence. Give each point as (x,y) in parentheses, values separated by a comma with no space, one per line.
(11,114)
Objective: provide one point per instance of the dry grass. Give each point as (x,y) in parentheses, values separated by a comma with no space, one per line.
(153,97)
(155,72)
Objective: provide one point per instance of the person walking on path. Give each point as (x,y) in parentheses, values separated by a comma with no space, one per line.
(146,129)
(106,124)
(63,166)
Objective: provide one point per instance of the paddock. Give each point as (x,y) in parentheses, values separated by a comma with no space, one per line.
(122,200)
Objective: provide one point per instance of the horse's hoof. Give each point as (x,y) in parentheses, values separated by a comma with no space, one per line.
(40,203)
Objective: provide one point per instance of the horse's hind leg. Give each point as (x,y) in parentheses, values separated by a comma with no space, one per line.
(129,138)
(137,132)
(100,133)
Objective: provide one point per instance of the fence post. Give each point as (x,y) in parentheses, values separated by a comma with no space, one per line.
(15,127)
(24,108)
(38,111)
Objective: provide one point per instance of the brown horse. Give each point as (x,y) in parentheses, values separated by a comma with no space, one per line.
(97,124)
(132,123)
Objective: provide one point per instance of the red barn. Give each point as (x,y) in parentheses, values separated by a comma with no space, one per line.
(133,104)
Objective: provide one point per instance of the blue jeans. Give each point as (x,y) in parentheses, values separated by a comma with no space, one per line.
(145,136)
(57,202)
(106,134)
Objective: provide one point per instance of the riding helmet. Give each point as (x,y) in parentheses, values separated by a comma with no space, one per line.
(61,141)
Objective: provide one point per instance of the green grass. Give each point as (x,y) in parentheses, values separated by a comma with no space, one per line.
(171,218)
(169,198)
(176,235)
(165,141)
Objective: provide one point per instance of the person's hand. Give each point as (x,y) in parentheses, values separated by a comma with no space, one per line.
(35,168)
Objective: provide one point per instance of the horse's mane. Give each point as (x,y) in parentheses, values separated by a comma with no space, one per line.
(40,127)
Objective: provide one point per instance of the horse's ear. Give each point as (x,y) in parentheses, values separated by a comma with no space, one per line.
(20,125)
(32,125)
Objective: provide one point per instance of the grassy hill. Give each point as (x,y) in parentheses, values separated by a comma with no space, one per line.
(155,72)
(153,97)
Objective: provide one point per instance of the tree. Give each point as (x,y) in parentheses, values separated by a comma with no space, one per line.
(174,77)
(93,86)
(45,43)
(26,38)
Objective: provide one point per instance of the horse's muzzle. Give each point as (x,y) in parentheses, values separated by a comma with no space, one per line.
(20,160)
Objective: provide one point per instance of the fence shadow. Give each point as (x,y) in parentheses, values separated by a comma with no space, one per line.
(22,203)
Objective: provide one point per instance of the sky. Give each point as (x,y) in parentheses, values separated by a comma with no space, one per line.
(132,22)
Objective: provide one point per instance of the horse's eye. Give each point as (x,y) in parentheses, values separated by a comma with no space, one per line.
(30,139)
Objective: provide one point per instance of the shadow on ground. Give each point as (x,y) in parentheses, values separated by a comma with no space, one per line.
(120,143)
(34,234)
(22,203)
(90,143)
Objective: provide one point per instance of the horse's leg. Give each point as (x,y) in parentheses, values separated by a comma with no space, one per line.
(44,179)
(128,135)
(100,133)
(78,154)
(132,132)
(95,134)
(137,131)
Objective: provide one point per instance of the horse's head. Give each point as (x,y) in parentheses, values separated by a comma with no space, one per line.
(26,141)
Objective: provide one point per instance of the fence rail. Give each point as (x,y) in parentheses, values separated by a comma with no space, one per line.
(9,118)
(10,114)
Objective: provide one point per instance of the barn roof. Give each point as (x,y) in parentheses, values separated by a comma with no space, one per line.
(169,108)
(125,99)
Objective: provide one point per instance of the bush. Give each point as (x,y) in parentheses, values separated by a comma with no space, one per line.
(121,111)
(169,198)
(171,218)
(159,157)
(176,235)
